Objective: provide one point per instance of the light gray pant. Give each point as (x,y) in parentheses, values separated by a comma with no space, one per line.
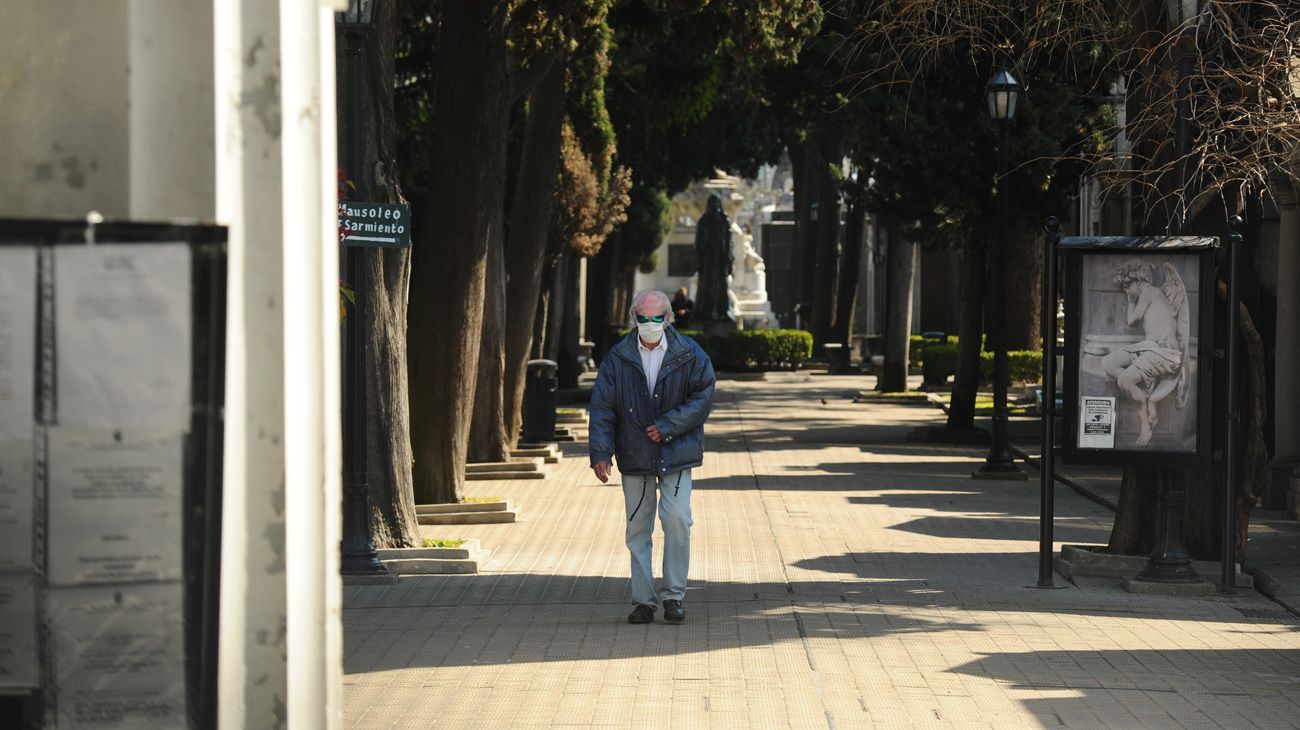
(673,494)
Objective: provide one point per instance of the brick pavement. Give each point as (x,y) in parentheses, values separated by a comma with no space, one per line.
(841,577)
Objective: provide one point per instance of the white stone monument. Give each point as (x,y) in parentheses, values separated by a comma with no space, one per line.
(747,284)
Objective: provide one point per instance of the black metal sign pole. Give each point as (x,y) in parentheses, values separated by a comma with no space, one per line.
(1047,471)
(1228,557)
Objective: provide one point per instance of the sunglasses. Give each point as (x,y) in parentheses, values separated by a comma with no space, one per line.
(641,319)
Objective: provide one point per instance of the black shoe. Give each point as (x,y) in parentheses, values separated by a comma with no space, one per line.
(673,612)
(642,614)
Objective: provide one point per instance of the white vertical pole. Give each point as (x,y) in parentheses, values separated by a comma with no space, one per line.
(171,110)
(313,488)
(333,391)
(253,683)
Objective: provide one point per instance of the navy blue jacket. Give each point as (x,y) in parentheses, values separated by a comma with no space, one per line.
(622,409)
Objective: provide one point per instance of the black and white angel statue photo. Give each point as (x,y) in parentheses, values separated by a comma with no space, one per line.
(1156,367)
(1138,345)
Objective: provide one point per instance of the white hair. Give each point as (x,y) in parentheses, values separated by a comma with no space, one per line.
(648,294)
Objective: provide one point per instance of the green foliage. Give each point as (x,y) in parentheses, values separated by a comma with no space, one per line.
(686,88)
(649,220)
(1024,366)
(917,344)
(754,350)
(939,361)
(757,350)
(431,542)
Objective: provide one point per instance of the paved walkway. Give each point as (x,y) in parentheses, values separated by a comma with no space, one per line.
(841,577)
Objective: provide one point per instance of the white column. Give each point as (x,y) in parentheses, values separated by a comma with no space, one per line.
(171,124)
(253,682)
(313,460)
(582,299)
(1285,467)
(63,108)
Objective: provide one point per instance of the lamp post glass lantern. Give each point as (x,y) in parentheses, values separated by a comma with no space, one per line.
(1003,95)
(359,556)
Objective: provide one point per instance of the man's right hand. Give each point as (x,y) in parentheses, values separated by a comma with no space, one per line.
(602,469)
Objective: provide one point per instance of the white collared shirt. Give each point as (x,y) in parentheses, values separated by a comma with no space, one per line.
(652,358)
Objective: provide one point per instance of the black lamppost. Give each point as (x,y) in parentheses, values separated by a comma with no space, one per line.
(359,555)
(1169,561)
(1003,95)
(1183,16)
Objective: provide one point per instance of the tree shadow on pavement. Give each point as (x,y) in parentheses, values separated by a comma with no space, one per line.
(1149,688)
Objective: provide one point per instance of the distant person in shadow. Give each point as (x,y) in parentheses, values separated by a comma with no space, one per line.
(682,306)
(653,393)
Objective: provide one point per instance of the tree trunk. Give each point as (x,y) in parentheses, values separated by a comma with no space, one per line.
(1254,469)
(600,295)
(1025,288)
(970,331)
(803,158)
(384,288)
(846,291)
(1134,530)
(529,223)
(828,236)
(462,210)
(538,349)
(903,255)
(555,306)
(488,440)
(567,371)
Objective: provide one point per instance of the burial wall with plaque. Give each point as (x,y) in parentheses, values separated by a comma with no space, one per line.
(111,365)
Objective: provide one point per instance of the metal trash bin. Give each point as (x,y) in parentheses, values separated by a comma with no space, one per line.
(837,355)
(540,401)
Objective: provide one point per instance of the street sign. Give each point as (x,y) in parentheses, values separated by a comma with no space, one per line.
(375,224)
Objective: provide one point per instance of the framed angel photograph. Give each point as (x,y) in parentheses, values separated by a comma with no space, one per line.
(1138,348)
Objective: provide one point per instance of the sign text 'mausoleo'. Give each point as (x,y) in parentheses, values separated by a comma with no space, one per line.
(375,224)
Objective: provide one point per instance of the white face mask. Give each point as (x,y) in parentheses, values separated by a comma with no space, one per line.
(651,332)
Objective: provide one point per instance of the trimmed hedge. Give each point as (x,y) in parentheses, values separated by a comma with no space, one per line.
(1025,366)
(755,350)
(917,344)
(938,362)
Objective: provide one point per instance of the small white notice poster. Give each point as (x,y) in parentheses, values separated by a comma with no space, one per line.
(18,660)
(119,656)
(16,504)
(123,336)
(1096,422)
(114,506)
(17,341)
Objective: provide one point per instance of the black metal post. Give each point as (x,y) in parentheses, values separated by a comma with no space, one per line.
(999,463)
(359,555)
(1228,556)
(1183,128)
(1047,472)
(1169,561)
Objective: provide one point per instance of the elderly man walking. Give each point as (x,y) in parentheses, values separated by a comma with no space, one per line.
(653,393)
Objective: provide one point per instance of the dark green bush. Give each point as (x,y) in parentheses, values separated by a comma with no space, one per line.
(939,361)
(762,350)
(755,350)
(917,344)
(1024,366)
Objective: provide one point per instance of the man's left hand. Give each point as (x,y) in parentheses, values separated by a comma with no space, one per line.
(653,432)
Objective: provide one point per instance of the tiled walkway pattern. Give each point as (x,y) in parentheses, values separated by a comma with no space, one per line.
(842,577)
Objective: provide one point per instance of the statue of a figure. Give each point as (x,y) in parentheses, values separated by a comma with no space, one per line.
(1157,365)
(714,261)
